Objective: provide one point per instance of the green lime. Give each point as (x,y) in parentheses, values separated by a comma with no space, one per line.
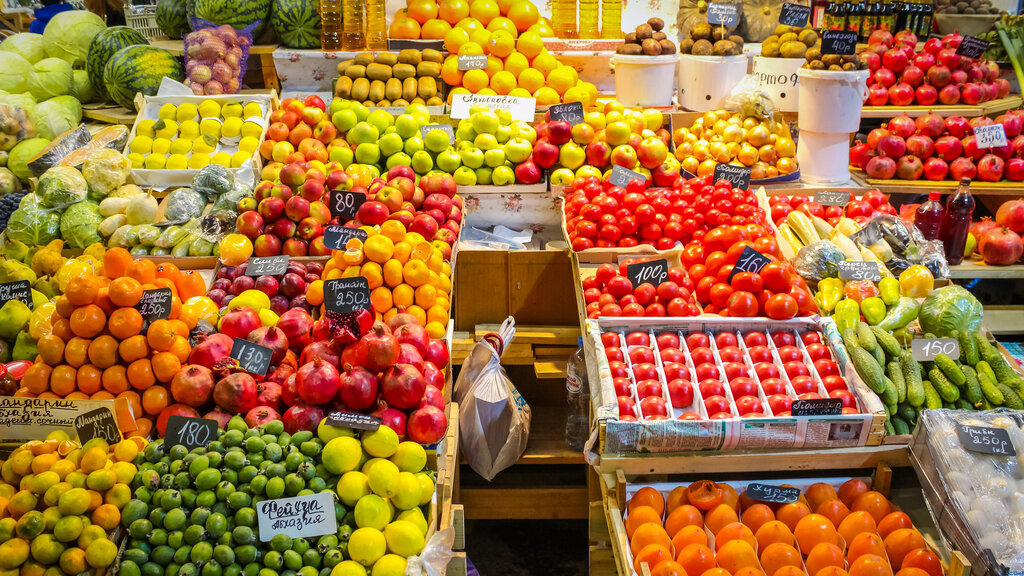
(181,554)
(224,555)
(201,552)
(275,488)
(162,555)
(140,528)
(246,554)
(208,479)
(292,559)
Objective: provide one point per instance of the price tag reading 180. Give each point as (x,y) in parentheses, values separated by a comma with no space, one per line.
(861,270)
(926,349)
(345,295)
(986,440)
(991,136)
(774,494)
(189,432)
(251,357)
(653,272)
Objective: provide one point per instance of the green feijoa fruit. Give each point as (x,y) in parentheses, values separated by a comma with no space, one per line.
(170,499)
(206,498)
(129,568)
(339,510)
(276,470)
(162,555)
(223,490)
(325,571)
(216,446)
(132,511)
(292,559)
(199,463)
(252,433)
(332,558)
(172,569)
(176,466)
(224,539)
(255,459)
(275,427)
(229,476)
(254,445)
(245,517)
(216,525)
(150,478)
(232,438)
(273,560)
(243,535)
(265,466)
(234,460)
(176,539)
(239,500)
(311,558)
(152,569)
(293,483)
(273,452)
(284,438)
(275,488)
(246,554)
(221,508)
(300,545)
(251,569)
(293,460)
(208,479)
(288,573)
(211,569)
(216,459)
(136,555)
(326,542)
(268,572)
(181,481)
(248,473)
(162,467)
(175,519)
(188,498)
(166,479)
(158,536)
(153,452)
(258,485)
(345,531)
(232,570)
(309,571)
(140,528)
(188,569)
(317,484)
(194,534)
(309,448)
(224,555)
(201,553)
(177,452)
(305,492)
(181,554)
(269,438)
(281,542)
(199,516)
(301,436)
(143,494)
(190,458)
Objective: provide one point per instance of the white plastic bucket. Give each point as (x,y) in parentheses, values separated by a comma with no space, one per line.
(644,80)
(824,158)
(831,101)
(779,80)
(706,81)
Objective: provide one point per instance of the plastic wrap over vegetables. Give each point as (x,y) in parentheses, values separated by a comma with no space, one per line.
(183,205)
(949,310)
(900,245)
(819,260)
(213,180)
(60,187)
(32,223)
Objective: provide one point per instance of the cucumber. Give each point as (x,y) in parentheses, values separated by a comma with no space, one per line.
(950,369)
(999,365)
(900,426)
(886,341)
(866,337)
(180,249)
(972,387)
(139,250)
(943,386)
(895,373)
(912,375)
(968,348)
(889,429)
(990,390)
(932,400)
(850,339)
(868,369)
(907,412)
(1010,398)
(985,404)
(982,343)
(879,356)
(963,404)
(201,247)
(889,395)
(984,367)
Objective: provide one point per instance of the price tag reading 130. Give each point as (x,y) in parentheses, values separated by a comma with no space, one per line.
(251,357)
(986,440)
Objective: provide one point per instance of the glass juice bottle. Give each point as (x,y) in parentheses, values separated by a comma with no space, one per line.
(957,222)
(352,37)
(376,25)
(611,19)
(331,29)
(563,18)
(928,218)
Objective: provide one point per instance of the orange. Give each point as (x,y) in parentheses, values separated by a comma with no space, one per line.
(524,15)
(719,517)
(823,555)
(453,10)
(832,571)
(640,516)
(475,80)
(76,352)
(689,535)
(870,565)
(106,516)
(404,27)
(89,379)
(131,349)
(791,513)
(814,529)
(133,399)
(647,496)
(125,322)
(88,321)
(865,543)
(142,270)
(116,262)
(756,515)
(315,291)
(736,554)
(81,290)
(773,531)
(37,378)
(652,555)
(873,503)
(650,533)
(422,10)
(77,396)
(62,380)
(64,306)
(819,492)
(922,559)
(61,328)
(165,366)
(855,523)
(696,559)
(682,516)
(51,349)
(103,351)
(140,374)
(898,543)
(125,292)
(154,400)
(777,555)
(734,531)
(850,489)
(893,521)
(115,379)
(668,568)
(834,510)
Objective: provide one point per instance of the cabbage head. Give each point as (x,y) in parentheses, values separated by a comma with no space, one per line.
(57,115)
(79,225)
(60,187)
(20,155)
(29,46)
(50,77)
(69,34)
(81,87)
(15,72)
(949,310)
(33,224)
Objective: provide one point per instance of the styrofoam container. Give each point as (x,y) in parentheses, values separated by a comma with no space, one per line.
(779,80)
(644,80)
(831,101)
(824,157)
(706,81)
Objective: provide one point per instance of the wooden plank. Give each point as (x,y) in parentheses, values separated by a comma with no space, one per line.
(540,283)
(564,335)
(534,503)
(553,351)
(984,109)
(457,565)
(109,114)
(978,188)
(976,268)
(551,369)
(1004,319)
(602,561)
(482,286)
(177,47)
(1001,105)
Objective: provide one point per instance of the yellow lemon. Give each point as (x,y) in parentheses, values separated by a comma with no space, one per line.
(210,126)
(204,145)
(141,145)
(155,162)
(189,129)
(197,161)
(181,146)
(161,146)
(146,128)
(167,111)
(248,144)
(222,158)
(186,111)
(232,127)
(177,162)
(252,109)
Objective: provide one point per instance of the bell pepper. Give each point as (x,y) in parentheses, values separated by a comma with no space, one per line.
(847,314)
(860,290)
(830,291)
(916,282)
(900,315)
(889,291)
(873,309)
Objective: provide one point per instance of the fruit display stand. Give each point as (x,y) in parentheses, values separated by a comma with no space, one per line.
(978,187)
(984,109)
(263,51)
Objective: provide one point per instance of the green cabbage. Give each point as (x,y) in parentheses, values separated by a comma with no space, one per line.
(15,72)
(81,86)
(69,34)
(50,77)
(31,47)
(33,224)
(57,115)
(21,154)
(949,310)
(60,187)
(80,223)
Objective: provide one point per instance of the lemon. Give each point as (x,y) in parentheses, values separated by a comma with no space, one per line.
(252,109)
(403,538)
(209,109)
(186,111)
(367,545)
(409,457)
(197,161)
(252,129)
(348,568)
(232,110)
(415,516)
(146,128)
(167,111)
(389,565)
(204,145)
(222,158)
(189,129)
(426,487)
(166,129)
(232,127)
(90,534)
(161,146)
(368,463)
(341,455)
(408,492)
(382,442)
(141,145)
(326,432)
(352,486)
(177,162)
(180,146)
(248,144)
(155,162)
(210,127)
(239,158)
(384,476)
(372,511)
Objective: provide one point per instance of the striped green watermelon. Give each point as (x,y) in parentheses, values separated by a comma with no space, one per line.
(172,19)
(139,69)
(297,22)
(238,13)
(103,46)
(190,10)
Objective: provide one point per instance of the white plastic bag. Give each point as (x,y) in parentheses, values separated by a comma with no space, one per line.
(494,419)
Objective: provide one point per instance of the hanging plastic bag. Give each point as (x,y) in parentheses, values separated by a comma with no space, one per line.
(215,57)
(494,419)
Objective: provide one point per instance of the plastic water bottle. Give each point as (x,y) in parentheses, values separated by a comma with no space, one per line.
(928,217)
(577,425)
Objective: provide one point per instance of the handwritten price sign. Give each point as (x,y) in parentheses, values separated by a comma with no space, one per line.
(99,423)
(750,260)
(926,349)
(774,494)
(571,112)
(991,136)
(155,304)
(621,177)
(794,15)
(840,42)
(345,203)
(862,270)
(654,272)
(986,440)
(267,265)
(299,517)
(189,432)
(723,14)
(335,236)
(347,294)
(251,357)
(20,290)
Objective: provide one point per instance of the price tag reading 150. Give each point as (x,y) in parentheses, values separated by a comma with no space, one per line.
(345,295)
(774,494)
(926,349)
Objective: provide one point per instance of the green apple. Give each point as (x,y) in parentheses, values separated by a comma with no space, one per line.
(562,177)
(494,157)
(337,104)
(419,111)
(518,150)
(478,108)
(344,120)
(485,141)
(363,133)
(503,176)
(465,176)
(407,126)
(362,112)
(465,132)
(381,119)
(421,162)
(485,122)
(463,145)
(571,155)
(449,160)
(413,145)
(436,140)
(472,157)
(390,143)
(503,133)
(367,153)
(342,155)
(398,159)
(504,116)
(483,176)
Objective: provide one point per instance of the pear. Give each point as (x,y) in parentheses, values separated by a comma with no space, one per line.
(141,209)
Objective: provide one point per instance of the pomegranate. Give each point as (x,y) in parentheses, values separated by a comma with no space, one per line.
(949,94)
(894,59)
(935,169)
(261,415)
(909,167)
(873,61)
(427,425)
(413,334)
(401,319)
(924,60)
(907,38)
(408,354)
(394,419)
(268,394)
(432,376)
(1014,169)
(878,95)
(281,373)
(1000,246)
(174,410)
(949,58)
(920,145)
(981,226)
(930,125)
(957,126)
(432,397)
(1011,215)
(212,349)
(322,350)
(220,416)
(272,338)
(402,386)
(892,146)
(948,148)
(933,46)
(357,388)
(971,93)
(289,395)
(860,153)
(884,76)
(971,149)
(297,326)
(317,382)
(437,354)
(926,95)
(939,76)
(913,76)
(378,348)
(193,385)
(875,135)
(902,126)
(236,393)
(962,168)
(880,36)
(990,168)
(239,322)
(301,417)
(881,167)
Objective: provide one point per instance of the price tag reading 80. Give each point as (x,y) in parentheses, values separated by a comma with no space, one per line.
(860,270)
(926,349)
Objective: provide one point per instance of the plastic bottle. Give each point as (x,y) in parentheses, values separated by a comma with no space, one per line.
(611,19)
(577,425)
(957,222)
(589,13)
(352,37)
(928,217)
(331,32)
(376,25)
(563,18)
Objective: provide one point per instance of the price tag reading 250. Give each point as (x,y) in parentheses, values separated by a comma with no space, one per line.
(345,295)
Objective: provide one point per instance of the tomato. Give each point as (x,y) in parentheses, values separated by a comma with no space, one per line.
(826,367)
(777,277)
(734,370)
(767,246)
(875,198)
(759,354)
(743,386)
(591,295)
(638,339)
(645,293)
(645,371)
(692,254)
(856,208)
(580,244)
(794,369)
(697,340)
(610,232)
(818,351)
(780,211)
(716,405)
(804,301)
(611,310)
(668,290)
(773,386)
(724,339)
(715,261)
(634,310)
(833,212)
(667,340)
(733,253)
(654,309)
(754,339)
(702,355)
(716,240)
(628,225)
(671,355)
(779,403)
(781,307)
(747,405)
(706,371)
(834,382)
(689,416)
(621,386)
(724,272)
(609,339)
(678,307)
(675,370)
(614,353)
(810,337)
(787,353)
(730,354)
(618,369)
(845,396)
(720,294)
(747,281)
(812,209)
(766,370)
(626,406)
(742,304)
(641,355)
(648,388)
(711,387)
(803,384)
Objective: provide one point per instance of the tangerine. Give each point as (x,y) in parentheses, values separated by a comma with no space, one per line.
(893,521)
(76,352)
(681,517)
(689,535)
(131,349)
(115,380)
(125,291)
(898,544)
(824,555)
(165,366)
(756,515)
(865,543)
(51,349)
(652,555)
(648,496)
(62,380)
(160,335)
(143,270)
(63,306)
(125,323)
(89,379)
(814,529)
(103,351)
(154,400)
(133,399)
(140,374)
(168,271)
(640,516)
(37,378)
(649,533)
(736,554)
(104,302)
(81,290)
(696,559)
(181,349)
(88,321)
(855,523)
(870,565)
(777,555)
(116,262)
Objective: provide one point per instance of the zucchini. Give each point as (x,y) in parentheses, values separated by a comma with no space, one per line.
(988,387)
(901,427)
(972,387)
(969,353)
(943,386)
(866,337)
(932,400)
(895,373)
(950,369)
(912,375)
(1010,398)
(801,225)
(868,369)
(886,341)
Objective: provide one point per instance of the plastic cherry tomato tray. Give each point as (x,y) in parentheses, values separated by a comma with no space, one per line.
(712,419)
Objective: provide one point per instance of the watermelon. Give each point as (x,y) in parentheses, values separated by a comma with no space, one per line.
(297,22)
(172,19)
(139,69)
(240,14)
(103,46)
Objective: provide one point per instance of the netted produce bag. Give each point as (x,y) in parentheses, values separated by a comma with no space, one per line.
(900,245)
(216,57)
(750,98)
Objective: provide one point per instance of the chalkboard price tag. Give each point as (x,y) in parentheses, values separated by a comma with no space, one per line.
(991,136)
(972,47)
(986,440)
(794,15)
(841,42)
(446,128)
(774,494)
(20,290)
(831,197)
(820,407)
(571,112)
(345,295)
(345,203)
(723,14)
(298,517)
(335,236)
(267,265)
(862,270)
(190,432)
(739,176)
(253,358)
(155,304)
(622,176)
(98,423)
(472,62)
(653,272)
(354,420)
(750,260)
(926,349)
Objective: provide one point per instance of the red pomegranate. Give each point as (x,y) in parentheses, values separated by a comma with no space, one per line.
(379,350)
(402,386)
(437,354)
(981,226)
(236,393)
(413,334)
(301,417)
(272,338)
(220,416)
(433,376)
(1011,215)
(394,419)
(174,410)
(408,354)
(213,348)
(289,395)
(1001,247)
(317,382)
(427,425)
(358,388)
(240,322)
(297,326)
(193,385)
(322,350)
(269,394)
(401,319)
(261,415)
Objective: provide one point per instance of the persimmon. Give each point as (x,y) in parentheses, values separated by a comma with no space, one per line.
(115,379)
(88,321)
(103,351)
(923,559)
(790,514)
(649,533)
(648,496)
(814,529)
(893,521)
(729,496)
(717,572)
(855,523)
(676,498)
(834,510)
(774,531)
(168,271)
(668,568)
(911,571)
(865,543)
(652,555)
(749,571)
(705,495)
(689,535)
(736,554)
(901,542)
(125,323)
(873,503)
(682,516)
(637,517)
(819,492)
(850,490)
(192,284)
(870,565)
(789,571)
(832,571)
(777,555)
(734,531)
(696,559)
(756,515)
(140,374)
(823,555)
(721,516)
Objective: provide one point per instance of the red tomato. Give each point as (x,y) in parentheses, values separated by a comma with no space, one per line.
(780,211)
(845,396)
(724,339)
(742,304)
(689,416)
(714,262)
(781,307)
(711,387)
(794,369)
(754,339)
(680,391)
(743,386)
(747,281)
(645,293)
(626,406)
(859,208)
(668,340)
(730,354)
(804,301)
(783,338)
(834,382)
(621,386)
(809,396)
(648,388)
(826,367)
(668,290)
(748,404)
(779,403)
(692,254)
(790,353)
(705,371)
(812,209)
(679,307)
(671,355)
(703,291)
(725,415)
(675,370)
(734,251)
(773,386)
(759,354)
(644,371)
(777,277)
(803,384)
(610,339)
(720,294)
(641,355)
(875,198)
(634,309)
(614,353)
(638,339)
(818,351)
(618,369)
(766,370)
(716,405)
(697,340)
(702,355)
(810,337)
